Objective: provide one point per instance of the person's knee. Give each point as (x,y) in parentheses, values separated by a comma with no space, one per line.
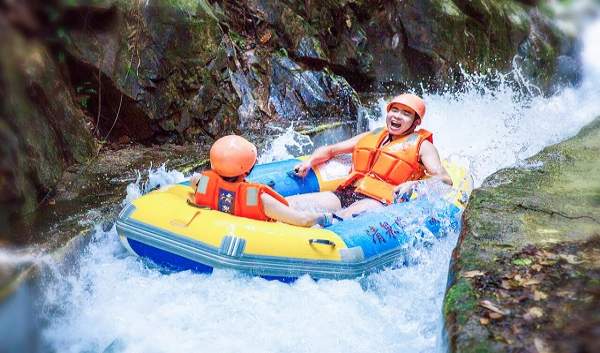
(318,201)
(359,207)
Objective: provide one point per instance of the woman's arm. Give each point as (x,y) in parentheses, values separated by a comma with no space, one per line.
(431,160)
(325,153)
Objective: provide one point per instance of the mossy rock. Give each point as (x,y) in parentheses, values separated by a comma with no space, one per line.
(553,199)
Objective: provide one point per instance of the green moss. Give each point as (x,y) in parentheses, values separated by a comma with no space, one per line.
(193,166)
(84,101)
(516,14)
(207,8)
(189,7)
(522,262)
(282,52)
(78,3)
(460,301)
(167,125)
(477,347)
(594,282)
(448,8)
(450,23)
(296,27)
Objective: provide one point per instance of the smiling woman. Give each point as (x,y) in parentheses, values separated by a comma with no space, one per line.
(386,162)
(405,112)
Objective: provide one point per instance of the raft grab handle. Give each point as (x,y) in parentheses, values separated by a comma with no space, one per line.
(321,241)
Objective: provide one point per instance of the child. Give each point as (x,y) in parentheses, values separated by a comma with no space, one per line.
(224,187)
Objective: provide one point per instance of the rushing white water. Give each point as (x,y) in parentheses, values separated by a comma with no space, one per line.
(116,302)
(114,296)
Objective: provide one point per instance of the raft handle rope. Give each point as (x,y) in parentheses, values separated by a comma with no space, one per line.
(183,224)
(321,241)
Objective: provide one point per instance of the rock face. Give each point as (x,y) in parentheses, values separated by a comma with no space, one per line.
(526,271)
(307,95)
(395,44)
(182,71)
(42,129)
(197,70)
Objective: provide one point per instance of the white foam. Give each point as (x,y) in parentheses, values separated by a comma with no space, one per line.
(156,178)
(288,144)
(115,297)
(494,129)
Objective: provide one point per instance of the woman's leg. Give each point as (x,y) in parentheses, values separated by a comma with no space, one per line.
(277,210)
(315,201)
(359,207)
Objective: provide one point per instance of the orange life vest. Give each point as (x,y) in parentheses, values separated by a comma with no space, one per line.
(239,199)
(376,170)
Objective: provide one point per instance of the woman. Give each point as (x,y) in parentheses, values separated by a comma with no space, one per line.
(386,162)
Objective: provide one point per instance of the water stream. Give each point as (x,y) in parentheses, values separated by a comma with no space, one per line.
(114,302)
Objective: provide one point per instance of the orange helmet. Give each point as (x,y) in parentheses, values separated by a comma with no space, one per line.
(409,100)
(232,156)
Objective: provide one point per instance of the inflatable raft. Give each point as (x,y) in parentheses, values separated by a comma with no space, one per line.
(164,228)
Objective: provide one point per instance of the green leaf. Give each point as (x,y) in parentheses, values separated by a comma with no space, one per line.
(522,262)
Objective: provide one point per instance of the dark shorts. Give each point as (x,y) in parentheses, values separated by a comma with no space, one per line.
(348,196)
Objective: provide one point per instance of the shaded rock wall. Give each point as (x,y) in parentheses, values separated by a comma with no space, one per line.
(530,247)
(42,128)
(395,44)
(196,70)
(185,73)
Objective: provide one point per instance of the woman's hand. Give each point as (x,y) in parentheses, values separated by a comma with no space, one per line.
(324,153)
(302,169)
(405,188)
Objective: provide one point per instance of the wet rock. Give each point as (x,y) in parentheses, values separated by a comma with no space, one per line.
(547,56)
(395,44)
(176,71)
(158,59)
(248,108)
(516,232)
(310,48)
(434,40)
(92,194)
(568,72)
(315,96)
